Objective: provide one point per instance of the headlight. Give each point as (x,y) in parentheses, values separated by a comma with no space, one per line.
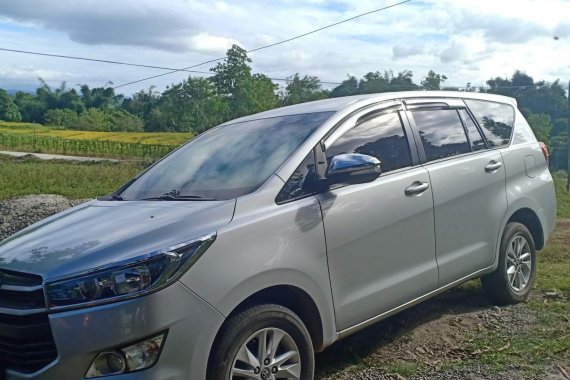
(127,280)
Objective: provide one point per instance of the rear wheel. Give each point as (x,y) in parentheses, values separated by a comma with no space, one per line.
(512,281)
(265,342)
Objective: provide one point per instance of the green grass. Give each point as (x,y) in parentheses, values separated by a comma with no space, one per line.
(71,179)
(562,195)
(547,339)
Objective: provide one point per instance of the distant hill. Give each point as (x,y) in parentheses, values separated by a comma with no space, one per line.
(30,90)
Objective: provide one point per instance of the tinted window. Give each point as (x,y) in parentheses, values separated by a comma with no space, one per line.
(475,138)
(442,133)
(301,183)
(496,120)
(228,161)
(380,136)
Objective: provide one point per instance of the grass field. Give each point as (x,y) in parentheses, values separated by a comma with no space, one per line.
(159,138)
(74,180)
(35,138)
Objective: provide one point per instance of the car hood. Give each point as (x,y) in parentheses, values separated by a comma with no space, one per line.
(98,233)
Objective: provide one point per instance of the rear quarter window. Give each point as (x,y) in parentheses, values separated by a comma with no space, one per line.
(496,120)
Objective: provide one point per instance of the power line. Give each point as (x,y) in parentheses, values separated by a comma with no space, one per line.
(96,60)
(127,63)
(267,46)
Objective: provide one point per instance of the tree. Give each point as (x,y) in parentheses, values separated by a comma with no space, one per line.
(348,87)
(539,97)
(65,118)
(8,110)
(31,109)
(402,82)
(193,105)
(93,119)
(301,90)
(374,82)
(243,92)
(142,102)
(433,81)
(541,126)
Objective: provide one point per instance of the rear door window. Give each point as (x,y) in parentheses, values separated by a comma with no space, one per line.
(496,120)
(441,132)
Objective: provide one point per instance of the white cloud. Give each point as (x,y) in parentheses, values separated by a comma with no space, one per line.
(33,73)
(468,40)
(207,43)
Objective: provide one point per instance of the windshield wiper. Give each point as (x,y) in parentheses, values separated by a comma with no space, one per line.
(172,197)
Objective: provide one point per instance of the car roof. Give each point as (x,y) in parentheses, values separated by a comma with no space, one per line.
(337,104)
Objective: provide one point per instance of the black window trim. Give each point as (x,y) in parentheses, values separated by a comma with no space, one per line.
(303,196)
(477,127)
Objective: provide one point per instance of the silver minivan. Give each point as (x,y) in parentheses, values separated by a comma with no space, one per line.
(270,237)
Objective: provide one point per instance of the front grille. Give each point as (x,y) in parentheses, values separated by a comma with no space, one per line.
(26,340)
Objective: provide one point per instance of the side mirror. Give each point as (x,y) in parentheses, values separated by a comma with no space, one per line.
(353,168)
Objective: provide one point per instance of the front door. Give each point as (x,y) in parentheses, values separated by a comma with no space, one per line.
(379,235)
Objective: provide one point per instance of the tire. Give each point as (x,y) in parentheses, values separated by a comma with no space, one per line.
(501,284)
(249,327)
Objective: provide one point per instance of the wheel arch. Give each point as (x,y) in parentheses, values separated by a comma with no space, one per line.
(291,297)
(530,220)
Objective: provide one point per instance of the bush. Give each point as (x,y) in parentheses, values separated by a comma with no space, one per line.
(61,117)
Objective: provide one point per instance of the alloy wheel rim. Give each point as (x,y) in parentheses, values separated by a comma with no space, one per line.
(519,263)
(268,354)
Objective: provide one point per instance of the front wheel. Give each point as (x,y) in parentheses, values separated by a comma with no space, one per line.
(512,281)
(265,342)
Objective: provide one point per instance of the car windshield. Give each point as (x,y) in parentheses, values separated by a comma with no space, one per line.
(226,162)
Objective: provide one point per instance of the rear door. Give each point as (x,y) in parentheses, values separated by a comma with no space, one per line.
(468,185)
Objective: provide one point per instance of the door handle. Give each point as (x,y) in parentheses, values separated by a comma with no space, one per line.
(416,188)
(492,166)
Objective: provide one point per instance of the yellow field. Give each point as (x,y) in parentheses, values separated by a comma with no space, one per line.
(158,138)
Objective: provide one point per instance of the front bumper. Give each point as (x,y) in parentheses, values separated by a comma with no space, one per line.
(79,335)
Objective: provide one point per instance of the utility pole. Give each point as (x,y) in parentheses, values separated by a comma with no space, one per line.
(568,143)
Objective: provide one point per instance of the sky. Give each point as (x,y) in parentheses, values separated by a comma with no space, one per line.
(467,40)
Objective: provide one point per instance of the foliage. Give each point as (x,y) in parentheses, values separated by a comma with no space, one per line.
(8,110)
(433,81)
(243,92)
(301,90)
(61,118)
(190,106)
(234,90)
(376,82)
(541,125)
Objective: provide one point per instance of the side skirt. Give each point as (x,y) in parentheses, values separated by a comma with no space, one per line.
(351,330)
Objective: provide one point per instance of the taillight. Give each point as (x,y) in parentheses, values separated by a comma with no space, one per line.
(544,149)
